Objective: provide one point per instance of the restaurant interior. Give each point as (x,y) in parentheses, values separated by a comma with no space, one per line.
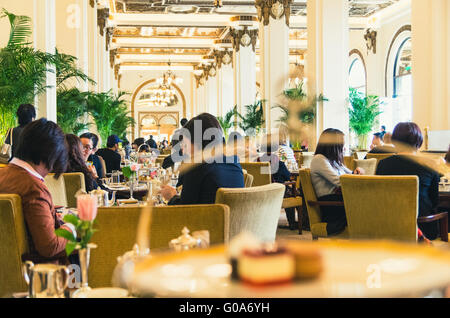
(224,148)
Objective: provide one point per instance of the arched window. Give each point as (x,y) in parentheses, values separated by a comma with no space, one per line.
(357,74)
(398,103)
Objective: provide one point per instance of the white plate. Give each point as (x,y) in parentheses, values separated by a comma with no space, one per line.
(351,269)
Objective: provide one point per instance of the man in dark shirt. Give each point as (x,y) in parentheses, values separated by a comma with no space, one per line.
(110,155)
(26,113)
(152,143)
(90,143)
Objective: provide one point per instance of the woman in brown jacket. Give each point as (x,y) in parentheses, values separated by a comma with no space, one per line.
(41,150)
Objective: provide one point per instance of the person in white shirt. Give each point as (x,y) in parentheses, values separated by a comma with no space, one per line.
(326,168)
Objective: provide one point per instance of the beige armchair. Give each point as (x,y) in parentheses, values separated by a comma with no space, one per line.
(384,207)
(103,163)
(260,172)
(369,166)
(318,228)
(57,188)
(117,231)
(14,244)
(255,209)
(248,180)
(73,182)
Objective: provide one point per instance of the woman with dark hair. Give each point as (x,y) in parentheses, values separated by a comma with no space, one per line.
(326,168)
(77,163)
(25,115)
(41,150)
(407,138)
(203,143)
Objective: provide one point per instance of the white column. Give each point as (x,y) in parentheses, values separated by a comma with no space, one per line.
(93,46)
(274,46)
(431,63)
(225,89)
(244,77)
(83,42)
(212,99)
(45,31)
(327,61)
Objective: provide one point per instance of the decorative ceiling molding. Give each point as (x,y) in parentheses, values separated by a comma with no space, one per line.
(112,57)
(273,8)
(109,34)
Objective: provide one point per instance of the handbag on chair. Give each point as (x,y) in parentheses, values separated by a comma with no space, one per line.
(6,150)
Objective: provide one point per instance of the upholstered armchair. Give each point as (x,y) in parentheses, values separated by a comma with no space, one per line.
(260,172)
(255,210)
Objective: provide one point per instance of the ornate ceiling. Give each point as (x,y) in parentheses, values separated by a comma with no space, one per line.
(358,8)
(155,32)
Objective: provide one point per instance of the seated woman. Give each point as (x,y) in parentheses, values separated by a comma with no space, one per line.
(213,171)
(280,174)
(326,168)
(408,138)
(77,162)
(41,150)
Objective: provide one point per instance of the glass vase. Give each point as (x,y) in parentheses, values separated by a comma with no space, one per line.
(84,255)
(132,183)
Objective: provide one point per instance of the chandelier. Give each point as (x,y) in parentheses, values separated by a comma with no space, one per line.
(165,94)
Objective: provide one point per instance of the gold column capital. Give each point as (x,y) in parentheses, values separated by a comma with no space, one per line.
(244,37)
(273,8)
(102,19)
(112,57)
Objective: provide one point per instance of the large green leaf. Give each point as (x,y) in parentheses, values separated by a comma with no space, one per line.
(363,112)
(21,28)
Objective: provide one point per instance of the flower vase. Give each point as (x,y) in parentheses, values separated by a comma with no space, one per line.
(132,183)
(84,255)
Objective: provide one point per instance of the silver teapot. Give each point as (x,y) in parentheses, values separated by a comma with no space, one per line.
(124,269)
(103,199)
(45,280)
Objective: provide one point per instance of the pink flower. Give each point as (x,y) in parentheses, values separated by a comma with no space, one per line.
(135,167)
(87,207)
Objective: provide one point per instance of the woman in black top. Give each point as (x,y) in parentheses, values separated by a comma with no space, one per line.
(25,114)
(212,171)
(407,139)
(76,161)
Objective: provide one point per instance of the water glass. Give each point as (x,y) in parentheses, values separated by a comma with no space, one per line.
(116,176)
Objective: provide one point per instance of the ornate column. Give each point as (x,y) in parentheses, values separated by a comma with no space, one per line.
(327,62)
(210,72)
(245,36)
(431,64)
(93,45)
(225,89)
(45,31)
(273,16)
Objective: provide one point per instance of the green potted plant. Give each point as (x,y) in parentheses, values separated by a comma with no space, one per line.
(297,94)
(363,112)
(110,114)
(227,121)
(253,119)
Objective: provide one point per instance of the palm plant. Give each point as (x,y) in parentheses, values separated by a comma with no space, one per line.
(110,113)
(227,121)
(72,107)
(254,117)
(66,70)
(297,94)
(22,70)
(363,112)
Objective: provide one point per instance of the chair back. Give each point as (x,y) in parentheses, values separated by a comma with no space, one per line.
(13,245)
(118,230)
(369,166)
(307,158)
(248,180)
(349,163)
(379,156)
(260,172)
(381,207)
(74,182)
(255,209)
(315,216)
(102,162)
(57,188)
(160,160)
